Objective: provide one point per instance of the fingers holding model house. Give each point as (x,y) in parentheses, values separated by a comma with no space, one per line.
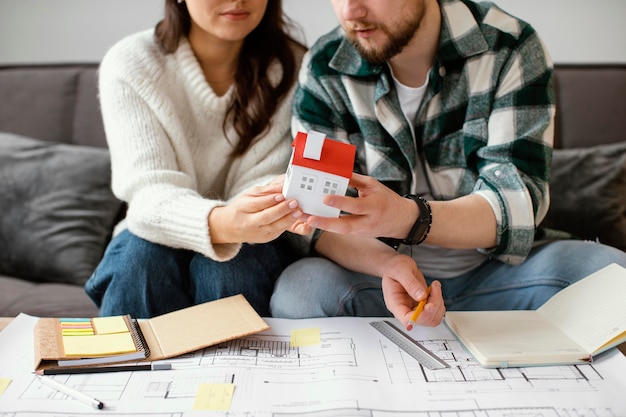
(257,216)
(377,211)
(467,222)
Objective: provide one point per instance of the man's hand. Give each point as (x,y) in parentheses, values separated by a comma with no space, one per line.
(377,212)
(404,286)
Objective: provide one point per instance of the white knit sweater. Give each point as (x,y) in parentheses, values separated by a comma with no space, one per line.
(170,159)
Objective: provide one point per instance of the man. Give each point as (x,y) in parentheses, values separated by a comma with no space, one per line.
(451,107)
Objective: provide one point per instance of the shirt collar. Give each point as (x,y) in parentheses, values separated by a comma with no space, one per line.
(462,41)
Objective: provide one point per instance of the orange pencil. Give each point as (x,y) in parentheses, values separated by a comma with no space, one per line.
(418,310)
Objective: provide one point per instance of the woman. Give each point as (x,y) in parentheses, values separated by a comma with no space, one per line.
(197,116)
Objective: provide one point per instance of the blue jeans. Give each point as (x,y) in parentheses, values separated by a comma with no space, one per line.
(146,279)
(317,287)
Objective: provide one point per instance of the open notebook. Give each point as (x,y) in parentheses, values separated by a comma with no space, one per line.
(580,321)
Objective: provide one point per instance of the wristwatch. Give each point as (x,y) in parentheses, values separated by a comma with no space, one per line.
(421,227)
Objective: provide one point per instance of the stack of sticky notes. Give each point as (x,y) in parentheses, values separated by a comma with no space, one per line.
(76,327)
(99,336)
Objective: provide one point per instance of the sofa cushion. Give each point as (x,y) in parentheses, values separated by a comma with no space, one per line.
(588,193)
(58,210)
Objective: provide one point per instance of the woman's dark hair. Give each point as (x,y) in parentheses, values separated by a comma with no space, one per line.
(255,99)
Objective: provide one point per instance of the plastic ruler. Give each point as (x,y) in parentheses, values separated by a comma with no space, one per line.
(409,345)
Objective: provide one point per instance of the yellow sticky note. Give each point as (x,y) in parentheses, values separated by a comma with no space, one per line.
(98,345)
(4,384)
(214,397)
(305,337)
(113,324)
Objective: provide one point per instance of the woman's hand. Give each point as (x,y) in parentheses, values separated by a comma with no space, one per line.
(404,286)
(258,215)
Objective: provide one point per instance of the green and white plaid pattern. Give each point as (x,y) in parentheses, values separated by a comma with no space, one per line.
(485,126)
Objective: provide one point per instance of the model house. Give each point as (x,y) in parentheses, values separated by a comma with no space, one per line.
(319,166)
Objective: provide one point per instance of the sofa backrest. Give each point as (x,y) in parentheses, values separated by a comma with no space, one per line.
(52,102)
(59,103)
(591,105)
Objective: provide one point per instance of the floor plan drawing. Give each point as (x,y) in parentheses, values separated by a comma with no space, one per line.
(464,369)
(352,372)
(274,351)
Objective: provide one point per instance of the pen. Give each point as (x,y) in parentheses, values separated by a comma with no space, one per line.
(418,310)
(71,392)
(112,368)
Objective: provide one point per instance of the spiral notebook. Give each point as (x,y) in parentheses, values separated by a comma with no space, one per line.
(66,343)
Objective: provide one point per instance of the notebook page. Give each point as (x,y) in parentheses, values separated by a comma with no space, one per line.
(521,336)
(593,310)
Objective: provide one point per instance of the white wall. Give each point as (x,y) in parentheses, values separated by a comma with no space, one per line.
(32,31)
(69,30)
(576,30)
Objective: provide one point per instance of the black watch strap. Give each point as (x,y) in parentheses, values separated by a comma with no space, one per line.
(421,227)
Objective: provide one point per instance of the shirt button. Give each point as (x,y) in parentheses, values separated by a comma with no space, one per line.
(442,71)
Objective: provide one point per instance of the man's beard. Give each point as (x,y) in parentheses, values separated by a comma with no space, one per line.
(397,39)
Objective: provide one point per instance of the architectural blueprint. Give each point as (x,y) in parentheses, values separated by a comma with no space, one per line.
(350,370)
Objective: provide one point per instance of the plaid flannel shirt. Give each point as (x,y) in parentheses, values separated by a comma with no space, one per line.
(485,125)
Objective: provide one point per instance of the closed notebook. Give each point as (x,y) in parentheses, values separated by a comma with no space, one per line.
(63,343)
(580,321)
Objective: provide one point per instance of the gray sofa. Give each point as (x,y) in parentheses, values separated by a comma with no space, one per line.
(57,210)
(52,143)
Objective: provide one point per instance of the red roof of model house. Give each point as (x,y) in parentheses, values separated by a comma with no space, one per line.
(323,154)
